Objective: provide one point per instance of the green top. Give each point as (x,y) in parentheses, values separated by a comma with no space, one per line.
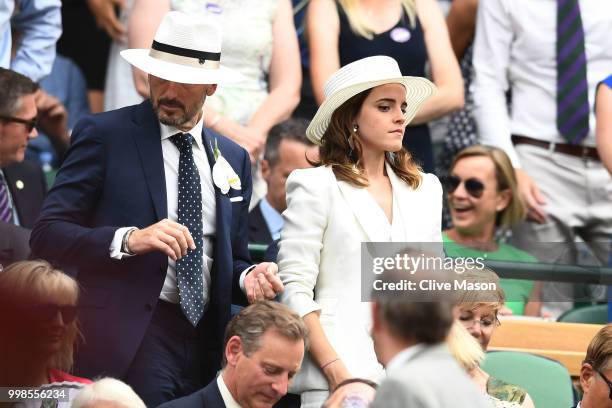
(517,291)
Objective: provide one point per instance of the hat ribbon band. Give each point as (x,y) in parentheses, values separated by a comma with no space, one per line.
(184,56)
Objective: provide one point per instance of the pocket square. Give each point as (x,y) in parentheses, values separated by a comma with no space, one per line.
(236,199)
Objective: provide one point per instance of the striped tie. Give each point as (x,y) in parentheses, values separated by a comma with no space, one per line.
(6,211)
(572,86)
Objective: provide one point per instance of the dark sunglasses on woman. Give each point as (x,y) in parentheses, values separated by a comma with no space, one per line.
(48,312)
(472,185)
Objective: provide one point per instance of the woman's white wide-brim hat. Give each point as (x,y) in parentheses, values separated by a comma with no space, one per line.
(186,49)
(359,76)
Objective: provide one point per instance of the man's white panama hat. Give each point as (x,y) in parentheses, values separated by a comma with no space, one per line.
(186,49)
(364,74)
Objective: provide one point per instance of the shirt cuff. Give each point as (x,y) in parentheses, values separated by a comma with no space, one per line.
(115,246)
(243,276)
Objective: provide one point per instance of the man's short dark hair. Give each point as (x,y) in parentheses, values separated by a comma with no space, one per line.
(424,317)
(12,87)
(290,129)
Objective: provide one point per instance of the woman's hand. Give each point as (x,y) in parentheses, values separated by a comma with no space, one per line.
(249,137)
(358,390)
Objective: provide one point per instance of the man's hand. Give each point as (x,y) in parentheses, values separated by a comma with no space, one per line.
(52,116)
(531,196)
(262,282)
(106,17)
(166,236)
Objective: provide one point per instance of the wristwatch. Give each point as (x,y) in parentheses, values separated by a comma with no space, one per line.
(125,248)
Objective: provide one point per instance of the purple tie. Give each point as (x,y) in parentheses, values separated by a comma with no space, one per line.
(572,86)
(6,211)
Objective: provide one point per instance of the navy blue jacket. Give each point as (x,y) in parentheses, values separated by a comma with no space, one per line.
(113,176)
(207,397)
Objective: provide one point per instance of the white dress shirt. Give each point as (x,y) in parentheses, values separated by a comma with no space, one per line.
(226,395)
(515,48)
(171,156)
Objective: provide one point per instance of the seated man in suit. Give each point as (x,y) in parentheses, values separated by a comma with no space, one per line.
(264,347)
(596,371)
(409,329)
(409,339)
(22,184)
(150,211)
(286,150)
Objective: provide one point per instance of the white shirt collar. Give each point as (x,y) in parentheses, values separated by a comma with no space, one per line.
(400,358)
(228,399)
(167,131)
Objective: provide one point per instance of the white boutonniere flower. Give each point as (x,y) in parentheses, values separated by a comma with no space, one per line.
(223,175)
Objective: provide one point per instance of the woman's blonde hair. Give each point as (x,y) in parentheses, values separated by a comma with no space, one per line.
(464,348)
(335,149)
(515,212)
(358,23)
(36,282)
(472,299)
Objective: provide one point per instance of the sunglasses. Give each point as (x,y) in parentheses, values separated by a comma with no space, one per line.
(607,382)
(49,311)
(30,124)
(473,186)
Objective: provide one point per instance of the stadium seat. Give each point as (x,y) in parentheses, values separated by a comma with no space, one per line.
(596,314)
(547,381)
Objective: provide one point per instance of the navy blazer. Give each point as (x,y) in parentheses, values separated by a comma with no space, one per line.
(258,229)
(113,176)
(28,186)
(207,397)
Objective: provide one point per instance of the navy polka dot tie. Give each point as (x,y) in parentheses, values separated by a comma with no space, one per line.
(189,267)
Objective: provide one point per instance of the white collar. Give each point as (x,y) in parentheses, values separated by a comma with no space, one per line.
(168,131)
(403,356)
(226,395)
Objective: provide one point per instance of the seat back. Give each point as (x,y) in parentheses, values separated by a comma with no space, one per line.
(547,381)
(596,314)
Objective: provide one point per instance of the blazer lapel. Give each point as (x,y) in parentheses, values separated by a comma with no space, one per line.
(224,206)
(148,140)
(363,206)
(404,195)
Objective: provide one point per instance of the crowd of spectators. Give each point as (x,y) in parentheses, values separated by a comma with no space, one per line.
(147,145)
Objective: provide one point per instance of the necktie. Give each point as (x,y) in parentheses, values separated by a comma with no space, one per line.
(572,86)
(6,210)
(189,267)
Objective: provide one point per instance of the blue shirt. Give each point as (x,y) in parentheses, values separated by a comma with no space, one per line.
(39,23)
(274,220)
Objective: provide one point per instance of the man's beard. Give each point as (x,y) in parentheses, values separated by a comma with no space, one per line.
(174,121)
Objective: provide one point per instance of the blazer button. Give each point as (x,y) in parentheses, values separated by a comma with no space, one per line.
(149,307)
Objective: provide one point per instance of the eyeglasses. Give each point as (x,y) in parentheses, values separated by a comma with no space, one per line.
(485,322)
(29,123)
(607,382)
(48,312)
(472,185)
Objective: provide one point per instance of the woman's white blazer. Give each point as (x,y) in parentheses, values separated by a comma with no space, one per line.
(319,257)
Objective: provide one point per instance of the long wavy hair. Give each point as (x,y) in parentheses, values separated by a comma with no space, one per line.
(335,150)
